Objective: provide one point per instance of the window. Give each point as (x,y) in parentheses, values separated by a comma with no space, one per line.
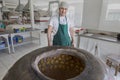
(113,10)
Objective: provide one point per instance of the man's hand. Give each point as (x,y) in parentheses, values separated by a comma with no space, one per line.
(73,44)
(72,36)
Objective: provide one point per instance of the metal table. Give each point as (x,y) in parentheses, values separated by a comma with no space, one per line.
(26,40)
(5,35)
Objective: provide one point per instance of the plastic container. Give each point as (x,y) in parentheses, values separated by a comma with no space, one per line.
(19,39)
(2,44)
(16,30)
(16,39)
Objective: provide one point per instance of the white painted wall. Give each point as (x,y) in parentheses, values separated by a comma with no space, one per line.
(91,13)
(94,15)
(113,26)
(78,13)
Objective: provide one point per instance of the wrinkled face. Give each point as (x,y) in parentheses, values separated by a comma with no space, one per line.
(62,11)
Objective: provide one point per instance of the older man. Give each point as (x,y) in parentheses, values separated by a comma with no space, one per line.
(62,28)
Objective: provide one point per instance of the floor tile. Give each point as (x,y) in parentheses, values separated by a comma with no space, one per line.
(7,61)
(3,70)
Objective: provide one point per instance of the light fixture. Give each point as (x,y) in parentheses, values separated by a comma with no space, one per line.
(20,7)
(4,8)
(27,7)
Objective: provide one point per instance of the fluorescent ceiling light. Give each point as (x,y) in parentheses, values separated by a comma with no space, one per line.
(27,7)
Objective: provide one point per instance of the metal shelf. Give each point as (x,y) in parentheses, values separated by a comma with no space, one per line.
(5,35)
(26,40)
(3,48)
(29,39)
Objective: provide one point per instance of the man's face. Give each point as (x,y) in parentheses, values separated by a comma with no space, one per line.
(62,11)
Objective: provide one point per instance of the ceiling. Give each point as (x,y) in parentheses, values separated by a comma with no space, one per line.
(46,2)
(25,1)
(40,2)
(113,1)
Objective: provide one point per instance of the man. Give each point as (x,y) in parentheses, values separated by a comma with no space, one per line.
(61,27)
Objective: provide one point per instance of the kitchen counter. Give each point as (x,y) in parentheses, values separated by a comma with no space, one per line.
(11,32)
(100,37)
(4,32)
(100,44)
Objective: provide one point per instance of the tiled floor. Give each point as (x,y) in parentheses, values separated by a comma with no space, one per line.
(7,60)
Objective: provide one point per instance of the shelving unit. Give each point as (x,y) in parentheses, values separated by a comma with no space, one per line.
(26,39)
(5,35)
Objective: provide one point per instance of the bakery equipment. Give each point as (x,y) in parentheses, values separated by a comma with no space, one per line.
(67,58)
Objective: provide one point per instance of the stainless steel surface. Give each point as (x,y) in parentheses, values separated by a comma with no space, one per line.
(100,37)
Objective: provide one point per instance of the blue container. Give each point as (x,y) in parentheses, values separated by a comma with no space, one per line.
(18,39)
(2,44)
(16,30)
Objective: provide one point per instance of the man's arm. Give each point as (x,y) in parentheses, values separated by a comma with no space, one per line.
(49,32)
(72,35)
